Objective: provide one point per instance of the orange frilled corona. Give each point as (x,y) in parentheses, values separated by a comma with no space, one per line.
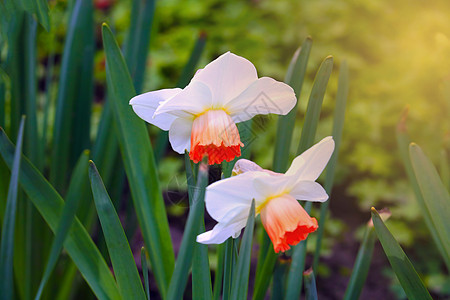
(286,222)
(215,135)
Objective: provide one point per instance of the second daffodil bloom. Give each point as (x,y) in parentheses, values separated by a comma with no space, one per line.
(202,117)
(286,222)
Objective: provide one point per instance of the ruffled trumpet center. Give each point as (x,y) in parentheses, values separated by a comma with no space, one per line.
(286,222)
(214,134)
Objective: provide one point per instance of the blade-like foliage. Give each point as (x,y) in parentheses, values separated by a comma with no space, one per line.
(67,217)
(78,244)
(144,267)
(294,77)
(139,164)
(403,143)
(338,126)
(68,89)
(310,285)
(239,287)
(406,274)
(125,270)
(435,196)
(7,239)
(361,266)
(184,259)
(307,140)
(39,8)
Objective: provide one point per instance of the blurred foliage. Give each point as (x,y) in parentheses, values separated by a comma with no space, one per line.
(396,50)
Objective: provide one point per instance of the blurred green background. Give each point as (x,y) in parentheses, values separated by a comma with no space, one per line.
(397,52)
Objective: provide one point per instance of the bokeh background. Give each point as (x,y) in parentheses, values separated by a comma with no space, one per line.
(398,55)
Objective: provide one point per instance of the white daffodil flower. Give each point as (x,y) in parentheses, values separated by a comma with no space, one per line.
(228,201)
(202,117)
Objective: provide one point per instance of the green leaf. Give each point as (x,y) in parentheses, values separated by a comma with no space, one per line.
(294,77)
(306,141)
(403,143)
(122,260)
(7,239)
(310,285)
(138,40)
(361,266)
(78,244)
(68,89)
(338,126)
(406,274)
(263,279)
(239,287)
(435,196)
(218,275)
(139,164)
(30,88)
(38,8)
(228,267)
(145,272)
(315,105)
(184,259)
(67,217)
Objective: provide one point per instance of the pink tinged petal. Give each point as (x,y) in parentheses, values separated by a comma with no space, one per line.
(145,105)
(244,165)
(309,191)
(231,194)
(194,99)
(236,220)
(309,165)
(180,135)
(262,97)
(227,77)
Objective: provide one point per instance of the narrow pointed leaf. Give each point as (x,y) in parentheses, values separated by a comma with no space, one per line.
(122,260)
(145,272)
(239,287)
(406,274)
(403,143)
(294,77)
(338,126)
(436,197)
(40,9)
(310,285)
(67,217)
(7,239)
(138,41)
(184,259)
(315,104)
(78,244)
(139,164)
(361,266)
(68,90)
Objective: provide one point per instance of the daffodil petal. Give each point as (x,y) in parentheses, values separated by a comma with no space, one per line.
(145,105)
(269,186)
(309,191)
(311,163)
(223,230)
(227,77)
(194,99)
(180,135)
(262,97)
(231,194)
